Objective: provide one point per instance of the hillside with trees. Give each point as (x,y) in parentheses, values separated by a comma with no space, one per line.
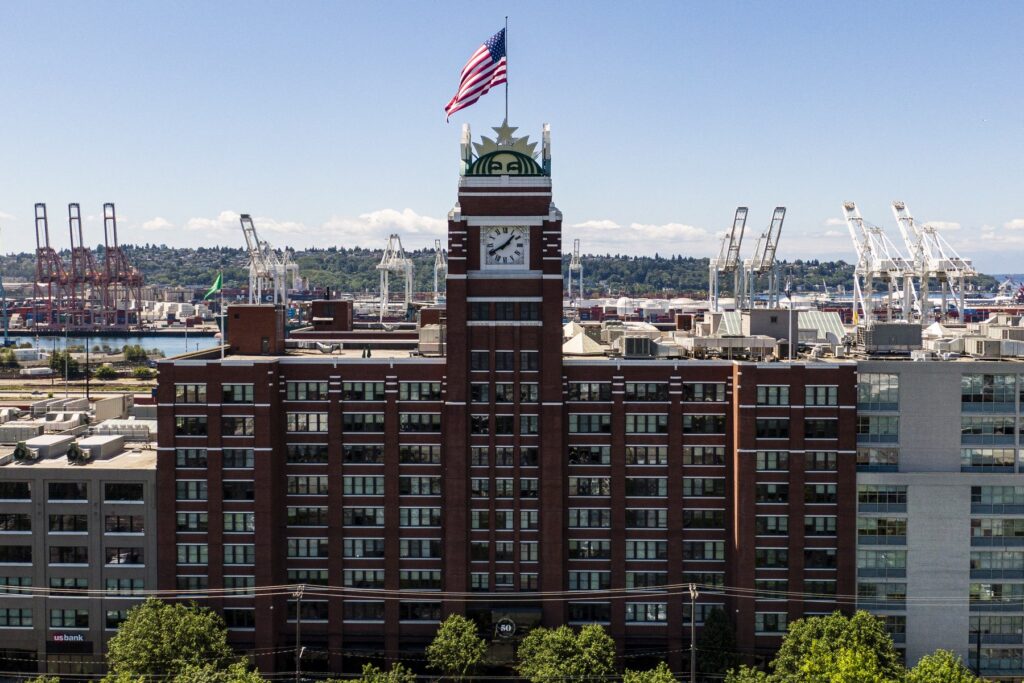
(353,271)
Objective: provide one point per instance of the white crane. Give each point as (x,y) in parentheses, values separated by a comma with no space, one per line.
(575,266)
(395,261)
(728,260)
(763,261)
(268,269)
(934,257)
(877,257)
(440,269)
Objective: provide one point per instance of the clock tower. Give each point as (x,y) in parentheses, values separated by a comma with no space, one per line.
(504,449)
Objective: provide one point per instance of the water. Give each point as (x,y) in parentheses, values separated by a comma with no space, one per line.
(170,346)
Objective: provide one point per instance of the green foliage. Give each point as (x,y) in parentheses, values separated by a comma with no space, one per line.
(7,359)
(716,644)
(134,353)
(77,456)
(208,673)
(747,674)
(160,640)
(43,679)
(942,666)
(397,674)
(142,372)
(105,372)
(659,674)
(457,648)
(562,655)
(817,645)
(57,364)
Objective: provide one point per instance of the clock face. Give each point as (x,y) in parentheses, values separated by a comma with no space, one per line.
(505,245)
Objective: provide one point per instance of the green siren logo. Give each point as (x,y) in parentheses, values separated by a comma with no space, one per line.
(505,155)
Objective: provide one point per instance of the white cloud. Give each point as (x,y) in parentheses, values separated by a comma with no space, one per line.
(224,222)
(157,224)
(1015,224)
(676,231)
(4,216)
(944,226)
(833,233)
(834,222)
(598,225)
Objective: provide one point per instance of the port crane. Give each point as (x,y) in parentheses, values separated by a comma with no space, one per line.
(268,269)
(728,261)
(763,262)
(933,257)
(877,258)
(440,268)
(84,279)
(575,266)
(122,282)
(394,261)
(50,271)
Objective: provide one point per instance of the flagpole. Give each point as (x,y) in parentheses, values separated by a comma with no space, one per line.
(506,68)
(222,339)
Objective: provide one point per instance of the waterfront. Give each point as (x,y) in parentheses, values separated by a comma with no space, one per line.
(168,345)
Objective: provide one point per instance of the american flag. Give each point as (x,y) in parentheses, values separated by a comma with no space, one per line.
(487,67)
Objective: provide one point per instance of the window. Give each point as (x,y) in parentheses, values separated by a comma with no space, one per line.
(884,497)
(529,392)
(15,617)
(479,424)
(237,458)
(69,523)
(647,391)
(821,395)
(818,525)
(306,391)
(529,456)
(701,455)
(123,524)
(771,428)
(588,518)
(190,393)
(192,553)
(419,391)
(771,493)
(419,454)
(703,519)
(363,454)
(704,550)
(363,516)
(529,520)
(649,612)
(771,525)
(191,583)
(419,486)
(237,393)
(479,360)
(821,461)
(15,554)
(316,453)
(590,424)
(15,490)
(419,579)
(479,392)
(646,486)
(68,491)
(703,424)
(15,522)
(529,361)
(817,428)
(529,424)
(419,611)
(130,556)
(239,489)
(362,391)
(420,422)
(646,579)
(529,487)
(240,618)
(819,493)
(768,395)
(770,622)
(239,553)
(122,493)
(646,550)
(704,392)
(882,530)
(589,391)
(589,486)
(878,428)
(307,485)
(590,455)
(589,550)
(237,425)
(190,489)
(646,518)
(646,424)
(529,551)
(771,558)
(772,461)
(590,612)
(307,516)
(239,522)
(69,618)
(306,422)
(987,459)
(878,391)
(504,361)
(363,486)
(363,578)
(361,548)
(988,393)
(421,548)
(479,310)
(886,562)
(877,459)
(190,425)
(192,521)
(703,487)
(479,581)
(69,554)
(307,547)
(412,517)
(360,610)
(984,429)
(589,580)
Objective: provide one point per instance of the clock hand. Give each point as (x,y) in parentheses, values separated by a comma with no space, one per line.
(494,251)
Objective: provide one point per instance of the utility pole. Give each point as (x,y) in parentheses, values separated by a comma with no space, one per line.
(693,632)
(298,632)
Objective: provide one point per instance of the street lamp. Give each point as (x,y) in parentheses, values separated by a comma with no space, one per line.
(693,632)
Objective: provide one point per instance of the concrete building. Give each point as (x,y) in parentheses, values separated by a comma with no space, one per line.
(77,545)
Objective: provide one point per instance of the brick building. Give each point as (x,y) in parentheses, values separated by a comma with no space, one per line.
(476,464)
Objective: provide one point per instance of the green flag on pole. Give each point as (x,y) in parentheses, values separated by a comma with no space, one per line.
(218,284)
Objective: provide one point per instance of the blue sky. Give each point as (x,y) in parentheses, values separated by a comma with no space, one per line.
(325,119)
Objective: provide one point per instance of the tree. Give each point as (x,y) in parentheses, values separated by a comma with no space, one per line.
(58,359)
(398,674)
(160,640)
(208,673)
(818,644)
(716,644)
(659,674)
(142,373)
(457,648)
(942,666)
(105,372)
(134,353)
(562,655)
(8,359)
(746,674)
